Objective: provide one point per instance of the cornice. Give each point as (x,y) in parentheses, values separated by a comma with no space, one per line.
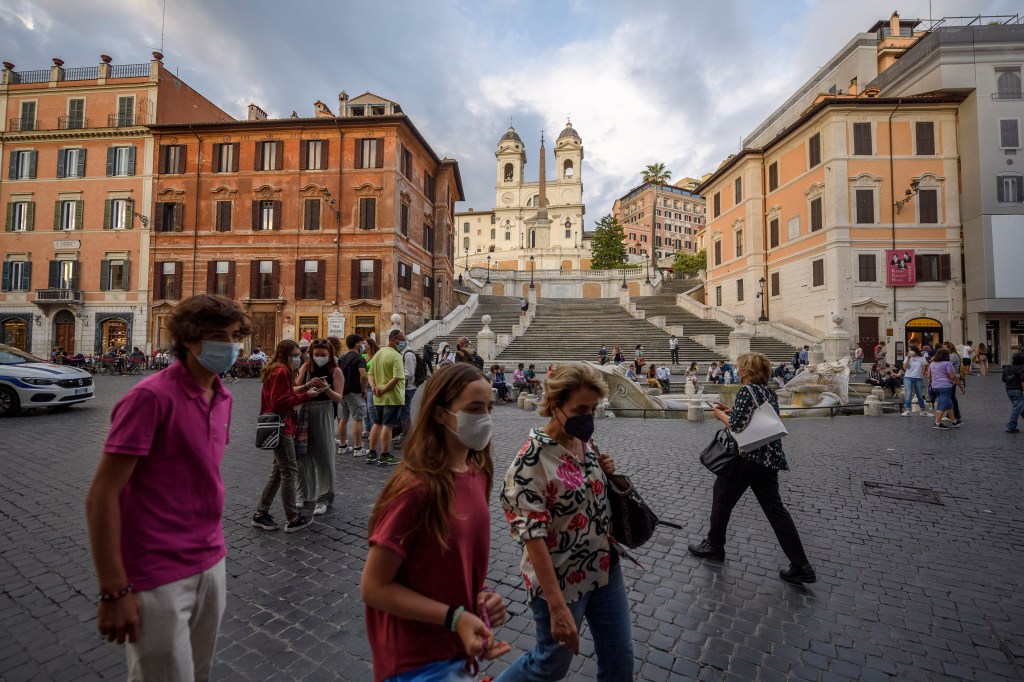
(134,132)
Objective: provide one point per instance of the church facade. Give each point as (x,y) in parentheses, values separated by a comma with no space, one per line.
(542,218)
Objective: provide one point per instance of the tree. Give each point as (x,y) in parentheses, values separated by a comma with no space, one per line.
(608,247)
(657,173)
(689,263)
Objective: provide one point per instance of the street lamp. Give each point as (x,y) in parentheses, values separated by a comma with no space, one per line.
(488,270)
(625,259)
(760,295)
(533,266)
(647,268)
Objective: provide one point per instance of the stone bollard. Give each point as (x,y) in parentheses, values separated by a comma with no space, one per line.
(872,406)
(514,393)
(494,395)
(521,400)
(878,392)
(531,404)
(599,413)
(694,413)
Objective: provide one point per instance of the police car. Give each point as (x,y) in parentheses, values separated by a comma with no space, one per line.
(26,382)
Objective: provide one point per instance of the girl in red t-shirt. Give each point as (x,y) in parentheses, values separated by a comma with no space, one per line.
(428,614)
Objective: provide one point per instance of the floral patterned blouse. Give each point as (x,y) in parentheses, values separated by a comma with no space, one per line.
(770,455)
(549,494)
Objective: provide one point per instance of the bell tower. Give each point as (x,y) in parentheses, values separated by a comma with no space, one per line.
(511,157)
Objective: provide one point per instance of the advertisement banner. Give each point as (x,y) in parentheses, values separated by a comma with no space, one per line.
(899,268)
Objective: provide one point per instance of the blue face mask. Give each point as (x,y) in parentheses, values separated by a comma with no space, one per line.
(402,345)
(218,356)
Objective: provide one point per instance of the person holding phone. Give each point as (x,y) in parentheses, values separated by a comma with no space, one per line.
(913,380)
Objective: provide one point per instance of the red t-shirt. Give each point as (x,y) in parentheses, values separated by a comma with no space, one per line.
(453,577)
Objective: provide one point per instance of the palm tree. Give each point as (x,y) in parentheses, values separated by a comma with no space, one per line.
(657,174)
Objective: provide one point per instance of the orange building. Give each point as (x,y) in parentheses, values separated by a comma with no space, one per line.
(75,181)
(662,219)
(320,226)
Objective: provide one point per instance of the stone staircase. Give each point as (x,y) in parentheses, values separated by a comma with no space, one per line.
(504,312)
(665,304)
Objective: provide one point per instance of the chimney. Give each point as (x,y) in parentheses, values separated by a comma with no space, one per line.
(894,24)
(342,101)
(256,114)
(320,110)
(853,86)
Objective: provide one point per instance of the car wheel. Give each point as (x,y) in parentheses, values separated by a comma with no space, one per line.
(9,404)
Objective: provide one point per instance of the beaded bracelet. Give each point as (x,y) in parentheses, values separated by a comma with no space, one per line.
(455,616)
(114,596)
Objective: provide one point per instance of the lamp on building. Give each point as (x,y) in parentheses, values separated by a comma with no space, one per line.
(915,187)
(625,259)
(142,219)
(533,266)
(760,295)
(488,270)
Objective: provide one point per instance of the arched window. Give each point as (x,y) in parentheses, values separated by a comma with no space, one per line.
(490,249)
(465,243)
(567,169)
(509,172)
(1008,83)
(492,233)
(534,200)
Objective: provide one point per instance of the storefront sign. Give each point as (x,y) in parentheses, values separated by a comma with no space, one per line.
(899,268)
(336,325)
(67,244)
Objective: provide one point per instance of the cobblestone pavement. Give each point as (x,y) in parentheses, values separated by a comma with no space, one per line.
(907,590)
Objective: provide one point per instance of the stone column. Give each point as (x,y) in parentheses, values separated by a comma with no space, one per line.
(739,339)
(485,341)
(836,345)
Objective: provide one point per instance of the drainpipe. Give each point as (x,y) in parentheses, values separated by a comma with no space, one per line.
(195,227)
(764,238)
(892,207)
(337,218)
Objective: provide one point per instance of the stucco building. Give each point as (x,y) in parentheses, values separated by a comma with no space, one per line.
(663,219)
(74,187)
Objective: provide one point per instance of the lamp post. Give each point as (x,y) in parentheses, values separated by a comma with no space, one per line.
(488,270)
(760,295)
(625,259)
(533,266)
(647,268)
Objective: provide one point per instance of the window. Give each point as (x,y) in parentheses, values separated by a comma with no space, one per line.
(567,169)
(309,279)
(817,219)
(739,290)
(493,233)
(225,158)
(63,275)
(862,139)
(866,268)
(465,243)
(311,214)
(865,206)
(269,155)
(222,279)
(21,216)
(814,150)
(367,279)
(404,276)
(718,295)
(169,216)
(739,243)
(928,205)
(114,275)
(125,111)
(76,113)
(1010,189)
(23,165)
(167,281)
(508,235)
(465,228)
(776,285)
(223,218)
(267,215)
(568,234)
(924,135)
(737,190)
(28,116)
(717,204)
(1009,133)
(773,233)
(933,268)
(1008,82)
(71,163)
(428,238)
(367,213)
(818,273)
(773,176)
(17,276)
(404,220)
(172,158)
(428,287)
(718,253)
(263,279)
(314,155)
(120,161)
(369,153)
(429,186)
(69,214)
(406,163)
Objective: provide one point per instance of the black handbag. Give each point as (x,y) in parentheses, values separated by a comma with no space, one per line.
(268,430)
(633,522)
(720,453)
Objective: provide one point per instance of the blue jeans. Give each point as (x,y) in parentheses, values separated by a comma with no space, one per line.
(371,413)
(442,671)
(1016,397)
(857,365)
(607,612)
(912,387)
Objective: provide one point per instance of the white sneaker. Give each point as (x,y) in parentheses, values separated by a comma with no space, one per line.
(926,413)
(360,452)
(906,413)
(320,509)
(345,449)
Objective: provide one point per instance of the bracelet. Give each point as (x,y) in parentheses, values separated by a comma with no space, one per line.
(455,617)
(114,596)
(448,618)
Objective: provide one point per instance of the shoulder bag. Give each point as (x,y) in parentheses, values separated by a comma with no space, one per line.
(765,426)
(720,453)
(268,431)
(633,522)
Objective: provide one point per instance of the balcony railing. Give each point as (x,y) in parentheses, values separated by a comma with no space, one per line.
(129,70)
(66,122)
(124,120)
(82,73)
(22,124)
(38,76)
(62,295)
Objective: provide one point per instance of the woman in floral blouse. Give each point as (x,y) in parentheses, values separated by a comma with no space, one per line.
(757,470)
(556,502)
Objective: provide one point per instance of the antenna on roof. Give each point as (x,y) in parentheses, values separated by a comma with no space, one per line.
(163,14)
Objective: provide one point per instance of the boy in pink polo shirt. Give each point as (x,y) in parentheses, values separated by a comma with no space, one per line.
(155,505)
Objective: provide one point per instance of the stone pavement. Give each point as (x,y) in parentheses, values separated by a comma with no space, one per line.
(908,590)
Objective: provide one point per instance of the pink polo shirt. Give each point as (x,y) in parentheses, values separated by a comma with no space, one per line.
(172,505)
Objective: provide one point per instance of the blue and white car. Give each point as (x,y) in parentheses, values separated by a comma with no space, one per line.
(28,383)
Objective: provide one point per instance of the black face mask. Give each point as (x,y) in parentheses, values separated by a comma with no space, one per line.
(581,426)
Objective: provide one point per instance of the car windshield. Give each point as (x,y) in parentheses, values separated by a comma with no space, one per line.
(13,356)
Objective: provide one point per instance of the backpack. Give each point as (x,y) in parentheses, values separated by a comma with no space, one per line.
(420,374)
(478,361)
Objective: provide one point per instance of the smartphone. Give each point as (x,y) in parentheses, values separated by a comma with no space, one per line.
(713,407)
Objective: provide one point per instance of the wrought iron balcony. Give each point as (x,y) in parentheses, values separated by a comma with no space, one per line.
(124,120)
(22,124)
(66,122)
(58,296)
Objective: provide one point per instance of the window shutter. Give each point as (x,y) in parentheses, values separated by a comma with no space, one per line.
(279,155)
(358,155)
(254,279)
(110,161)
(74,275)
(9,225)
(255,215)
(211,276)
(300,277)
(380,155)
(30,215)
(26,276)
(131,160)
(32,156)
(177,281)
(378,269)
(158,280)
(53,280)
(62,155)
(918,268)
(235,147)
(125,270)
(218,151)
(5,278)
(81,162)
(275,280)
(321,279)
(1018,181)
(231,280)
(925,134)
(56,215)
(12,168)
(354,293)
(928,208)
(945,267)
(129,214)
(303,154)
(182,159)
(1008,133)
(158,216)
(257,163)
(179,216)
(104,275)
(165,153)
(79,214)
(774,227)
(325,158)
(277,215)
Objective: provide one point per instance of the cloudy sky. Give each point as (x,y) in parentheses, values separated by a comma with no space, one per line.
(674,81)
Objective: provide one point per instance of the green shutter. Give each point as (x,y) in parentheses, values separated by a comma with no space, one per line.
(9,225)
(131,160)
(106,214)
(61,157)
(30,216)
(125,270)
(129,214)
(56,215)
(104,275)
(79,214)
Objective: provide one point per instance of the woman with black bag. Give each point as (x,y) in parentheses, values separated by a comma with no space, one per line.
(757,470)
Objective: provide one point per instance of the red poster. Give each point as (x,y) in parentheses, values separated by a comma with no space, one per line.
(899,268)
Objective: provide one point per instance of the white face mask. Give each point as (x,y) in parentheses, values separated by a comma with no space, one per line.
(320,360)
(296,362)
(473,430)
